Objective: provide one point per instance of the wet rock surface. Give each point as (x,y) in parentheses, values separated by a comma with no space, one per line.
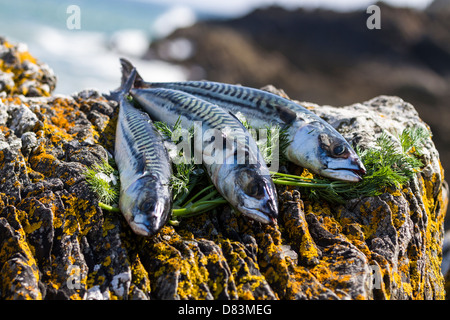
(57,243)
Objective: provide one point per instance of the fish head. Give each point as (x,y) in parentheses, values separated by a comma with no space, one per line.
(250,192)
(325,152)
(146,205)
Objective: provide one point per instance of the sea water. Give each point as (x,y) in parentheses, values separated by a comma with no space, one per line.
(88,56)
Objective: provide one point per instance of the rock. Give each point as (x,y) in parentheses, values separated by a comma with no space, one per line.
(21,73)
(439,6)
(57,243)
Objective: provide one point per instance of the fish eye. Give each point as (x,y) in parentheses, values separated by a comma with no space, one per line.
(147,206)
(252,190)
(339,150)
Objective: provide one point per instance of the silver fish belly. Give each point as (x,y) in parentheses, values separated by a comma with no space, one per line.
(229,153)
(315,144)
(145,171)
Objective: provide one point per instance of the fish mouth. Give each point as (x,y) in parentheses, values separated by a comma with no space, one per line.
(147,225)
(350,169)
(345,174)
(141,229)
(360,172)
(258,215)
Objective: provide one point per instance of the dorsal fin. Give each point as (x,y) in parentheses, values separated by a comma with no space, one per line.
(286,115)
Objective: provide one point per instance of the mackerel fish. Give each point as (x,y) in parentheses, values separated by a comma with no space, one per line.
(228,152)
(144,167)
(314,143)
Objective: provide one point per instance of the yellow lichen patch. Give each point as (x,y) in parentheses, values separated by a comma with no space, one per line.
(375,216)
(107,135)
(26,56)
(324,214)
(14,272)
(275,268)
(65,113)
(193,276)
(5,130)
(240,263)
(308,250)
(434,231)
(22,66)
(295,228)
(83,212)
(330,272)
(44,161)
(139,277)
(188,265)
(17,261)
(70,226)
(108,224)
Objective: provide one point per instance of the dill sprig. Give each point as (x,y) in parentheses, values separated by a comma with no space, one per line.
(272,140)
(103,180)
(188,178)
(182,166)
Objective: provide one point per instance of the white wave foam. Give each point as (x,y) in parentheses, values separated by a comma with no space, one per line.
(179,16)
(84,59)
(132,42)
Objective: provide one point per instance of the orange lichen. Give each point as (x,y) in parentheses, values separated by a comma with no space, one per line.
(23,79)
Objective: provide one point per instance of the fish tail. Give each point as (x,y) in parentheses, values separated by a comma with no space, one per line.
(127,69)
(125,83)
(128,83)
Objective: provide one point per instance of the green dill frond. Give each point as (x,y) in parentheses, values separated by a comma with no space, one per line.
(391,162)
(242,119)
(181,179)
(395,163)
(182,167)
(163,129)
(269,139)
(284,142)
(272,141)
(188,177)
(413,139)
(103,180)
(166,130)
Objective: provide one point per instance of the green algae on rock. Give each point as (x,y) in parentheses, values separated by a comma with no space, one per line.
(57,243)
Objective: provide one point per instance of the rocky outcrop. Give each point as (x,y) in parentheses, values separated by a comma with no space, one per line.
(57,243)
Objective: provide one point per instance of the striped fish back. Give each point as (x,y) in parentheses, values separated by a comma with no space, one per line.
(196,109)
(143,140)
